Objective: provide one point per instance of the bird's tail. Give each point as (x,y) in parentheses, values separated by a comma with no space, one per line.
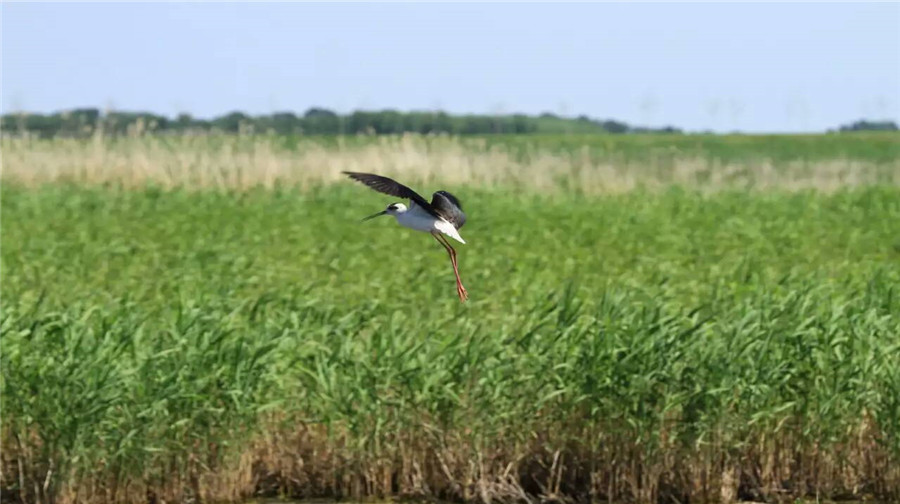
(449,230)
(455,236)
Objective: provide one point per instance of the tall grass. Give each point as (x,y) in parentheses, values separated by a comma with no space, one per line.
(647,330)
(673,345)
(586,164)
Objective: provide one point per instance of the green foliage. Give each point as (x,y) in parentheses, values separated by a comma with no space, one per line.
(142,328)
(879,147)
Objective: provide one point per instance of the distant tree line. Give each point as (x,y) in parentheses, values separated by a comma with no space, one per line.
(319,121)
(315,121)
(864,125)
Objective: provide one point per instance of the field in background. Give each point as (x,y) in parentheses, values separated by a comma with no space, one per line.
(647,330)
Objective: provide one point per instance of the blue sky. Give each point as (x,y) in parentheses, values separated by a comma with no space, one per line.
(764,67)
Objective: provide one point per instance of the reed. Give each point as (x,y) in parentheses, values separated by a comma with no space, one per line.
(588,165)
(649,346)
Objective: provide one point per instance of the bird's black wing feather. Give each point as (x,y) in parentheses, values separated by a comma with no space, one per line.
(448,207)
(391,187)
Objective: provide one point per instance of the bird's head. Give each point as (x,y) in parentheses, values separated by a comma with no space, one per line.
(395,208)
(392,209)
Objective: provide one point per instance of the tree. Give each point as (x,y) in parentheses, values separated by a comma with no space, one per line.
(864,125)
(321,121)
(231,122)
(318,112)
(282,123)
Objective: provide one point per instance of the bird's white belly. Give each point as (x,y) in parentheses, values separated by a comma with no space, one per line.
(417,221)
(422,221)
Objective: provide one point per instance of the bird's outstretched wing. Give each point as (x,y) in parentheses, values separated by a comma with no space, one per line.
(391,187)
(448,207)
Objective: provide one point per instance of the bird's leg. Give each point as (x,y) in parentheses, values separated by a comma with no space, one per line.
(460,290)
(463,294)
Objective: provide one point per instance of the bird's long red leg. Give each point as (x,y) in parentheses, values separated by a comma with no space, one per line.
(460,290)
(463,294)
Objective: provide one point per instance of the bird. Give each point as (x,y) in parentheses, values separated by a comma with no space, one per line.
(442,216)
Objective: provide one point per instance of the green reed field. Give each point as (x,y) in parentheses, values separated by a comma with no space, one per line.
(651,319)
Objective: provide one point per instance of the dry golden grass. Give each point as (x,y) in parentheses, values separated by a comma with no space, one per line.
(246,162)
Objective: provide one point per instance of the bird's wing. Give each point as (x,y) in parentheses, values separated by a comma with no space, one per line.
(391,187)
(448,207)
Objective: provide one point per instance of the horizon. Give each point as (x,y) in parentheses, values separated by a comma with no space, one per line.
(301,114)
(697,67)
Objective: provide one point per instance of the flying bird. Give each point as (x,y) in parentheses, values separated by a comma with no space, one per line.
(443,216)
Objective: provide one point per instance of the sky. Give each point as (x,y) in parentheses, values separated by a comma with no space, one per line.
(760,67)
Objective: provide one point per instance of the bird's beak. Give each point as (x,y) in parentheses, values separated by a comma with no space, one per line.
(383,212)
